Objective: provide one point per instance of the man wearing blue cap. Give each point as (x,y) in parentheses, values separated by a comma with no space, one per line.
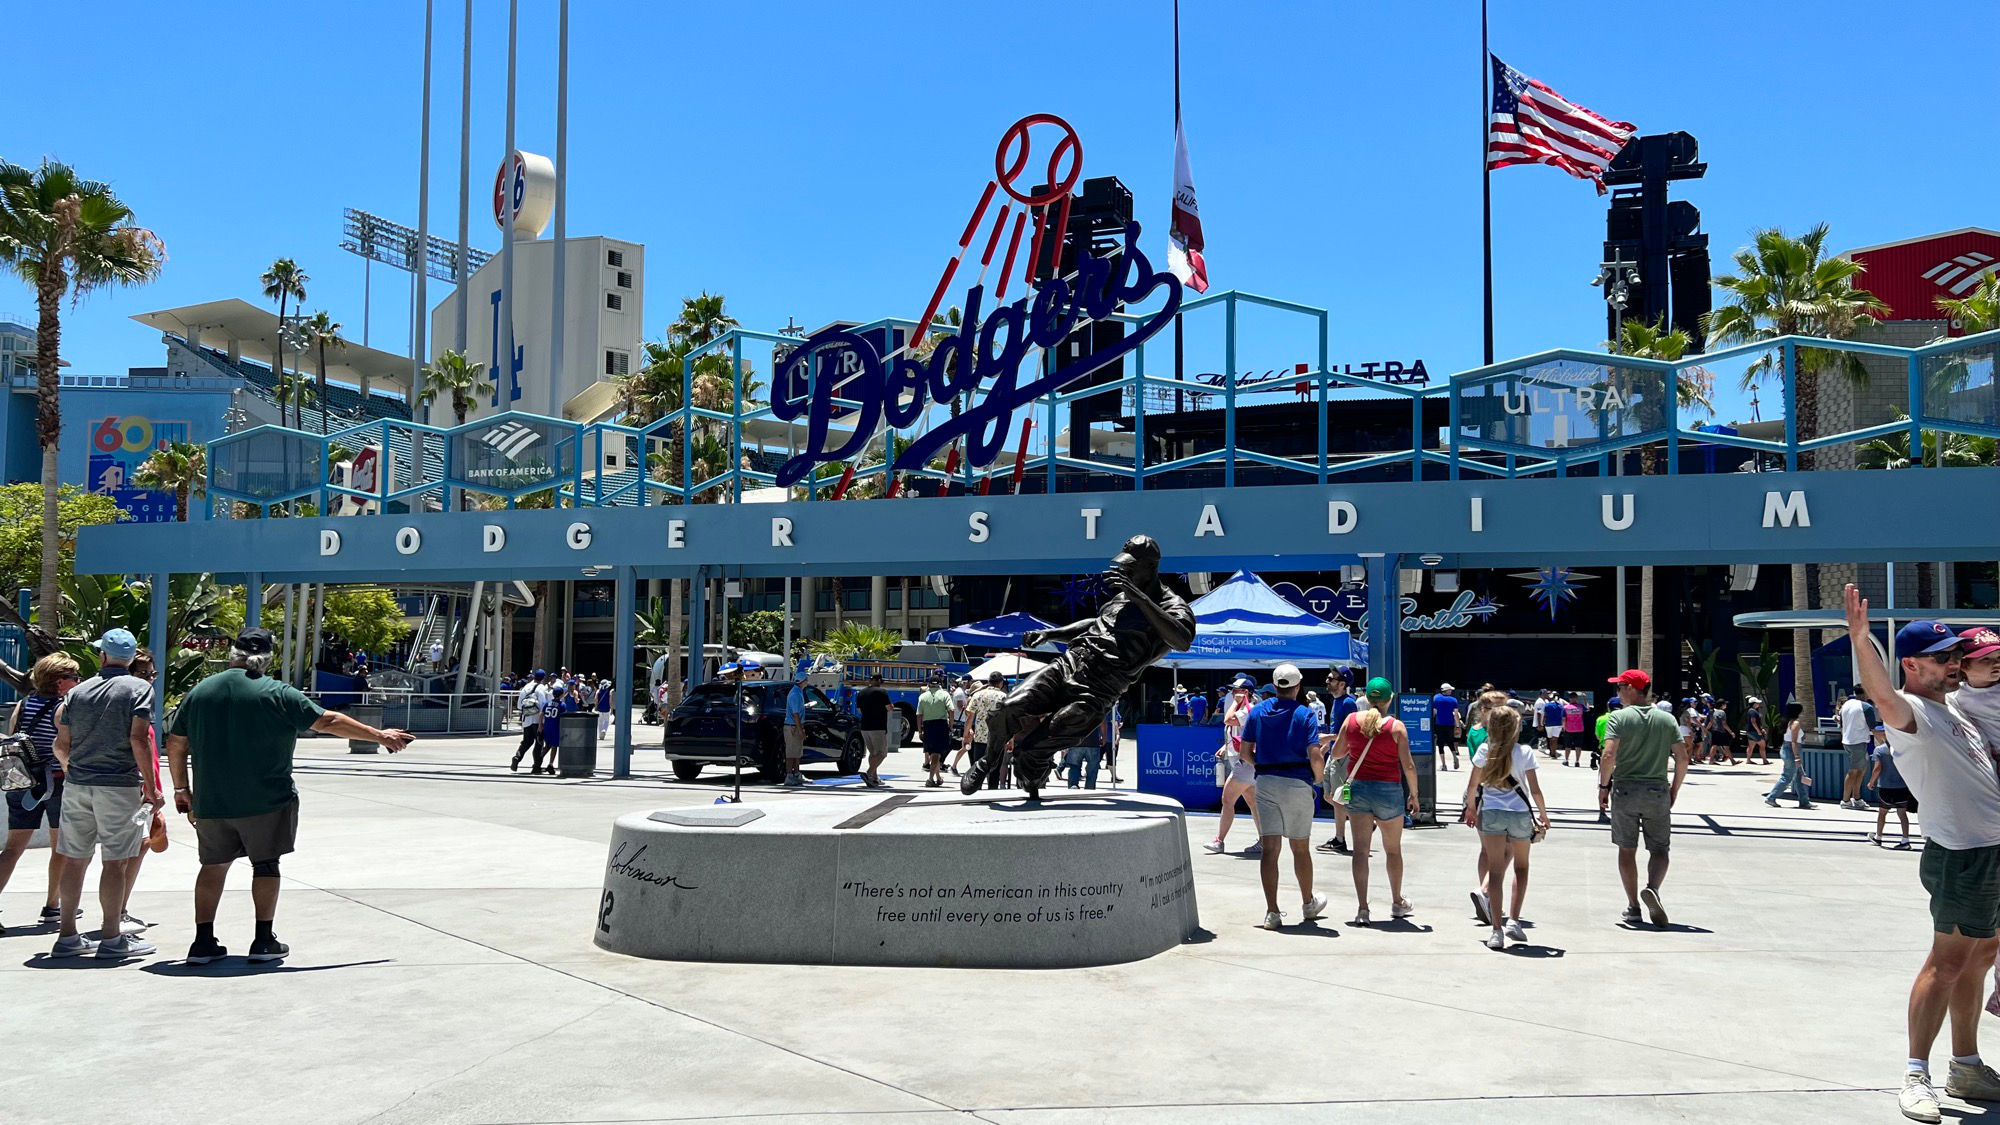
(1948,763)
(104,744)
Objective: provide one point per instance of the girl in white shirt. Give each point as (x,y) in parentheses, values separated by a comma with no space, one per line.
(1496,802)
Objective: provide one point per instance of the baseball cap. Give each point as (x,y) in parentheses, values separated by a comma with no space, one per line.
(1979,641)
(117,644)
(1267,691)
(1920,637)
(253,642)
(1379,688)
(1445,687)
(1286,675)
(1633,678)
(1244,682)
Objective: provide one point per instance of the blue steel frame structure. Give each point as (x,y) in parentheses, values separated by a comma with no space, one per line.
(1426,512)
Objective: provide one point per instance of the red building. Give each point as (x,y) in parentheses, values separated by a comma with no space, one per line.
(1911,275)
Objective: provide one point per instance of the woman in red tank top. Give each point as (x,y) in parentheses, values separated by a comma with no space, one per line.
(1382,785)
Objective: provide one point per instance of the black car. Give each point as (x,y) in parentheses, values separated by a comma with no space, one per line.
(707,726)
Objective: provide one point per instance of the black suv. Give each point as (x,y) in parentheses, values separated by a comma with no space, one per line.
(704,730)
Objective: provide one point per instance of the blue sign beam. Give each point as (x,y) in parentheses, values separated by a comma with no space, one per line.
(1829,516)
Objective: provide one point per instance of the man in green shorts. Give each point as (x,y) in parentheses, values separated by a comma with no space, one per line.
(241,727)
(1947,761)
(1642,746)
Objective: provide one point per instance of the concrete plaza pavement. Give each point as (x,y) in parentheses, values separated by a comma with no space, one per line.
(440,915)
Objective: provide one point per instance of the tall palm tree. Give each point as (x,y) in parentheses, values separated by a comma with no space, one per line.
(1788,286)
(323,332)
(65,236)
(179,467)
(1691,390)
(284,282)
(294,391)
(702,319)
(454,375)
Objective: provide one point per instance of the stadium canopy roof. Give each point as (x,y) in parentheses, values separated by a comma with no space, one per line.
(254,331)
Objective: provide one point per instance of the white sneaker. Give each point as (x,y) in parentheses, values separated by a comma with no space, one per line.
(1212,847)
(1495,941)
(1401,908)
(1918,1101)
(1479,909)
(1274,921)
(1514,931)
(1315,907)
(1977,1082)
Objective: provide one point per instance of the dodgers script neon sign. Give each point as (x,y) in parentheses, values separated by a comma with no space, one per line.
(987,351)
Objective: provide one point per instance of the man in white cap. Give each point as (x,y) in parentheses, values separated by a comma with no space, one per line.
(105,747)
(1281,738)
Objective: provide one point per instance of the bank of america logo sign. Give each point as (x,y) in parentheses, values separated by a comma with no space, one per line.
(1959,275)
(510,439)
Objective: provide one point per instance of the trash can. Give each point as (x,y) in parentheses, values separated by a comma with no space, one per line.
(367,714)
(576,747)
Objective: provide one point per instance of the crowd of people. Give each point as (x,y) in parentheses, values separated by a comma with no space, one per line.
(1280,756)
(86,749)
(540,700)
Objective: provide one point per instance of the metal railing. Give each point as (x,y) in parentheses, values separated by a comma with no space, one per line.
(430,712)
(1558,413)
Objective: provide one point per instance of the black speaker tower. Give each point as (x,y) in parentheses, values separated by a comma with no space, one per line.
(1663,238)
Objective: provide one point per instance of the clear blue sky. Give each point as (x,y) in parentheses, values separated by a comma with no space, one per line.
(817,161)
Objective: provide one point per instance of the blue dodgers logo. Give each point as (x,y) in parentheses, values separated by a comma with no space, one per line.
(991,349)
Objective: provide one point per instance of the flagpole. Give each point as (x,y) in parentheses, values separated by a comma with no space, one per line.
(1485,169)
(1139,398)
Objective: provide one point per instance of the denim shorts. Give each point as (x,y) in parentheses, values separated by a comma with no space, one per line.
(1511,823)
(1382,800)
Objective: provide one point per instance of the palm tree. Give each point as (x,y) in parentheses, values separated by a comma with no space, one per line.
(452,374)
(284,282)
(1788,286)
(1943,450)
(323,332)
(179,467)
(1692,390)
(294,391)
(702,319)
(1978,312)
(65,236)
(857,642)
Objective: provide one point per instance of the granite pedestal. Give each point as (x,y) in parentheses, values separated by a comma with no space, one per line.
(933,879)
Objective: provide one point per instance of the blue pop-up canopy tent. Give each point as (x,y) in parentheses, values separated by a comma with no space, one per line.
(995,632)
(1244,623)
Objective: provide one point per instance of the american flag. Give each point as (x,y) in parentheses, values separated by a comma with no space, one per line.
(1532,124)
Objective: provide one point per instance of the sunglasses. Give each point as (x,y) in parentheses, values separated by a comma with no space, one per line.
(1948,656)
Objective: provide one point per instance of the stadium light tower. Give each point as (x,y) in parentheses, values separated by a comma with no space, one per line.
(376,239)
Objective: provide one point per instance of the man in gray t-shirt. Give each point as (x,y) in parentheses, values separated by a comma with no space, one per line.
(104,741)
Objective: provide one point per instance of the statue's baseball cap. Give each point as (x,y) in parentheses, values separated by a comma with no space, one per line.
(254,642)
(1632,678)
(1980,640)
(1921,637)
(1286,676)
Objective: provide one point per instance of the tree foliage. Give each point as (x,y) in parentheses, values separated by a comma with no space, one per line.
(860,642)
(760,631)
(365,618)
(21,547)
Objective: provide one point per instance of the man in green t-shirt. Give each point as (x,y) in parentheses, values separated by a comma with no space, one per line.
(241,727)
(1642,747)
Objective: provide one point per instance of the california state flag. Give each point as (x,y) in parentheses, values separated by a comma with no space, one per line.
(1184,244)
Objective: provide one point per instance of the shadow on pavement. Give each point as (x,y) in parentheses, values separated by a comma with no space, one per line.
(238,967)
(1543,952)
